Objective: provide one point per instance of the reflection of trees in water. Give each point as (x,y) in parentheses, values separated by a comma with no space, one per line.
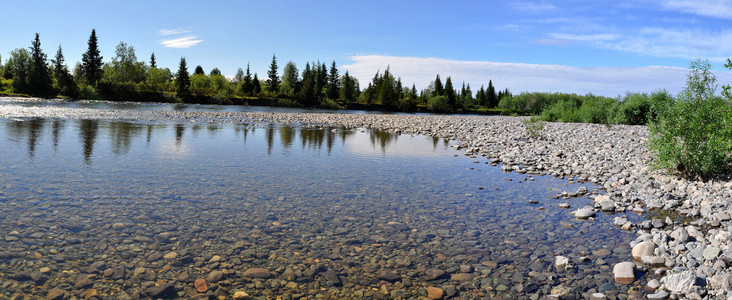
(287,135)
(88,135)
(436,141)
(270,137)
(381,138)
(32,129)
(121,135)
(149,133)
(179,130)
(56,128)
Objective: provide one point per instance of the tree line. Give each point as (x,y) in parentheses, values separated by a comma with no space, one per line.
(127,78)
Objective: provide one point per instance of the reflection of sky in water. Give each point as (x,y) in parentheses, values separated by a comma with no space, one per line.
(313,176)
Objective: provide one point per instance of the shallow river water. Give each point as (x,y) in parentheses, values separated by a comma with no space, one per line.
(116,209)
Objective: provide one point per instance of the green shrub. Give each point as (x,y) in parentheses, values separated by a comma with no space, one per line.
(598,110)
(562,111)
(438,104)
(534,126)
(692,134)
(328,103)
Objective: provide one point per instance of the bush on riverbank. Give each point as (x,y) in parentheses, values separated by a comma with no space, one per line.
(692,134)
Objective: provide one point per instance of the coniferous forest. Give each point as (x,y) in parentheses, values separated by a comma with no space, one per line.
(125,77)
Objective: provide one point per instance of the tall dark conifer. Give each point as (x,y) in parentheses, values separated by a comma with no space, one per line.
(490,95)
(333,82)
(92,61)
(450,93)
(273,81)
(439,89)
(256,86)
(182,80)
(39,79)
(246,85)
(153,62)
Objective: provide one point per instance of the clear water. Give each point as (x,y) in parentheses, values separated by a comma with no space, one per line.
(89,197)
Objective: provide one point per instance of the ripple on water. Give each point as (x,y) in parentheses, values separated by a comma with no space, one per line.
(131,207)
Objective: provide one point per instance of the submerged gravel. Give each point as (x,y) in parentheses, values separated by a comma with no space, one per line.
(687,241)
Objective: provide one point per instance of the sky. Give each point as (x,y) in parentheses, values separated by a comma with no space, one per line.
(576,46)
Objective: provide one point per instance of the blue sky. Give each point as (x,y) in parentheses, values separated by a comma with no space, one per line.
(604,47)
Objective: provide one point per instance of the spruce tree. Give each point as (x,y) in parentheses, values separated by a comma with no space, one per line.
(39,79)
(334,87)
(347,87)
(490,95)
(246,86)
(450,93)
(64,80)
(92,61)
(439,89)
(153,63)
(273,81)
(307,89)
(182,80)
(58,66)
(256,87)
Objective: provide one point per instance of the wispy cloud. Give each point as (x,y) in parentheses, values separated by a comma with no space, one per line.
(184,42)
(710,8)
(165,32)
(519,77)
(602,37)
(533,6)
(655,41)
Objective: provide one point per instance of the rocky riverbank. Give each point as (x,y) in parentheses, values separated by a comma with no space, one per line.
(682,251)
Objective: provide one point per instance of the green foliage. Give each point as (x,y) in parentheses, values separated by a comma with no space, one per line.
(533,125)
(562,111)
(124,67)
(438,104)
(349,90)
(92,61)
(330,104)
(86,91)
(200,84)
(598,110)
(692,134)
(634,109)
(158,79)
(290,80)
(19,67)
(199,71)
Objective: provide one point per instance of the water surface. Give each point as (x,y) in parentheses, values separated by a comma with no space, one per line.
(109,201)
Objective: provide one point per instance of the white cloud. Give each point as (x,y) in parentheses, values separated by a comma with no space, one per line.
(533,6)
(586,37)
(656,41)
(184,42)
(165,32)
(520,77)
(710,8)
